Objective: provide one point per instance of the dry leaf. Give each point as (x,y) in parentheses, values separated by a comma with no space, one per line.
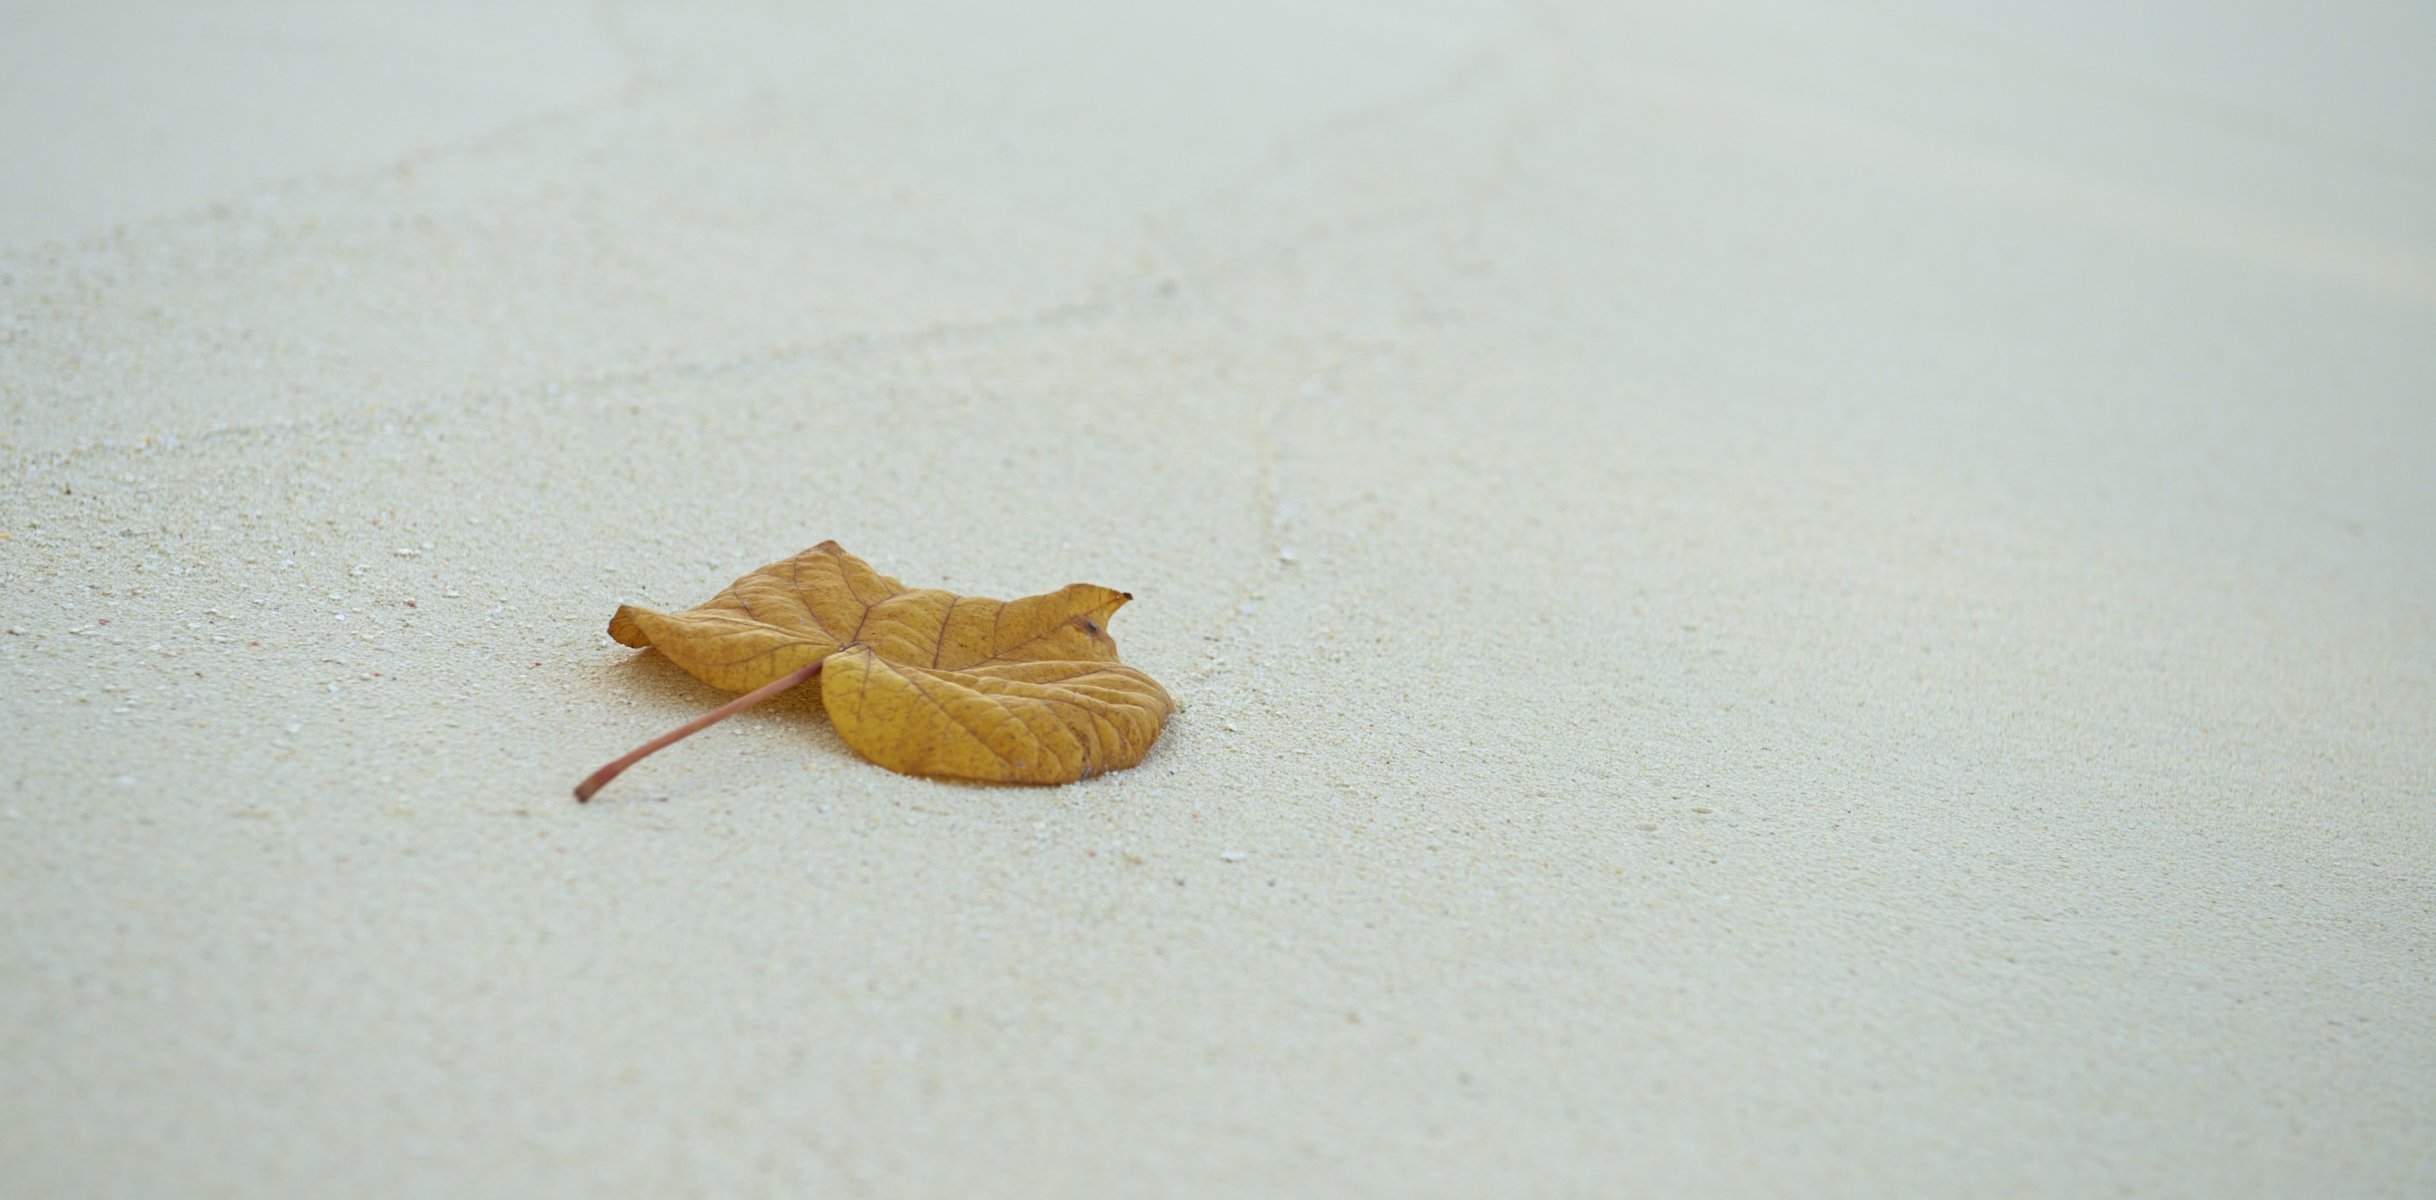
(918,680)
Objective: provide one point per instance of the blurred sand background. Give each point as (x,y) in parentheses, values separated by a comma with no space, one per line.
(1769,598)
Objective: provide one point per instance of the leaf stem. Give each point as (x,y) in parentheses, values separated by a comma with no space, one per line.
(600,778)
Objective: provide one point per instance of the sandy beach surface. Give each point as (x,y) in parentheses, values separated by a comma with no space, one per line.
(1768,599)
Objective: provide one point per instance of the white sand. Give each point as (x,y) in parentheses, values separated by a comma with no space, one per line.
(1768,601)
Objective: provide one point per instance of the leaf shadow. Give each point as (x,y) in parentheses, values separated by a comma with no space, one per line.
(660,686)
(654,677)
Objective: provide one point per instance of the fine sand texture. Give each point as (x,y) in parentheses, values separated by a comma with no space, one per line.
(1766,598)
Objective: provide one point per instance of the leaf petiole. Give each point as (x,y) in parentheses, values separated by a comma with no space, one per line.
(600,778)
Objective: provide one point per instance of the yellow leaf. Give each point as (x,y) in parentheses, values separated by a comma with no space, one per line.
(918,680)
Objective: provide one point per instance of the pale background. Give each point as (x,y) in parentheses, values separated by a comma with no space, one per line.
(1770,599)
